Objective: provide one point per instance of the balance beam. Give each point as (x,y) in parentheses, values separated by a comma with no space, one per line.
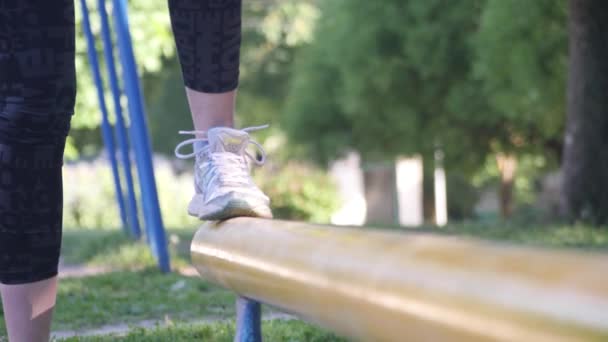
(374,285)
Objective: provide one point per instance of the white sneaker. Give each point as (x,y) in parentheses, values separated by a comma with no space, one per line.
(222,179)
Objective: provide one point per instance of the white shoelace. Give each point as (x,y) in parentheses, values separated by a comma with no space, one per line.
(205,149)
(226,169)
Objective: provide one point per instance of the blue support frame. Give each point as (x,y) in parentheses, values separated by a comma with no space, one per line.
(248,321)
(106,128)
(140,139)
(121,130)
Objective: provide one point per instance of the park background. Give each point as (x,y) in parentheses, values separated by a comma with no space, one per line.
(476,88)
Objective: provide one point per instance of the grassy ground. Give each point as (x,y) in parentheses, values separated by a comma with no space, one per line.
(135,291)
(115,250)
(129,297)
(554,236)
(559,236)
(124,297)
(273,331)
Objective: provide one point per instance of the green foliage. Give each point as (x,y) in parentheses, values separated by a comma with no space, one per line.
(473,78)
(462,197)
(299,192)
(531,168)
(521,53)
(90,202)
(152,41)
(387,89)
(312,108)
(167,105)
(267,54)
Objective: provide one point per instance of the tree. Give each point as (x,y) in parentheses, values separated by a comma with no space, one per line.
(380,78)
(387,79)
(585,162)
(476,78)
(520,65)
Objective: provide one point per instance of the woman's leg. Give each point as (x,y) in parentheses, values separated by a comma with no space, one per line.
(29,309)
(208,37)
(211,110)
(37,93)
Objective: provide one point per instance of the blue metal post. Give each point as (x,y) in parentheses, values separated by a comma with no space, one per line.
(248,321)
(121,131)
(106,129)
(140,138)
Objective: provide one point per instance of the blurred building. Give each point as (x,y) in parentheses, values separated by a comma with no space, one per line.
(380,194)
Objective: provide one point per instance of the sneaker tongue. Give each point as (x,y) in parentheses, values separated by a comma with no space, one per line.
(227,140)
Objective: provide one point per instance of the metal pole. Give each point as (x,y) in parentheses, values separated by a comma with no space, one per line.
(140,139)
(121,131)
(374,285)
(248,321)
(106,129)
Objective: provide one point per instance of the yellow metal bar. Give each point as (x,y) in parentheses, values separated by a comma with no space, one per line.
(381,286)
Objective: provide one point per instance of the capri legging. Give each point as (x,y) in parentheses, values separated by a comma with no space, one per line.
(37,96)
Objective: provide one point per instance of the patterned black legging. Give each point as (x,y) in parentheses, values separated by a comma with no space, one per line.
(37,95)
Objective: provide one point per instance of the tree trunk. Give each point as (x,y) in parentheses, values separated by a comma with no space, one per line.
(428,194)
(379,183)
(585,159)
(507,165)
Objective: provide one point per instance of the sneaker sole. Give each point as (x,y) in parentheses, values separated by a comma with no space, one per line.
(231,208)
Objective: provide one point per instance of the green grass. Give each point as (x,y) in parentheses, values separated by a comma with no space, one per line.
(113,249)
(129,297)
(557,236)
(272,331)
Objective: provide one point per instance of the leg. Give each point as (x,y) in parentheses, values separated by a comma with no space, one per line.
(29,309)
(211,110)
(37,93)
(30,239)
(208,38)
